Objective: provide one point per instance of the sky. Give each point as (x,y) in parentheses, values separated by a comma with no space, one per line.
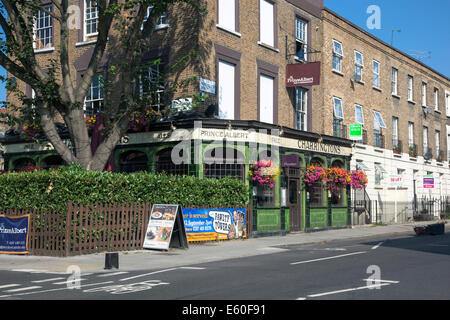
(424,25)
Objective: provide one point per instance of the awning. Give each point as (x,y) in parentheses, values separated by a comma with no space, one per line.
(361,166)
(379,168)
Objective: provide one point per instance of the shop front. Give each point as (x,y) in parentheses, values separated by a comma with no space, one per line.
(213,148)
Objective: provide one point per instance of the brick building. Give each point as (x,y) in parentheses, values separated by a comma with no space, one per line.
(247,52)
(403,104)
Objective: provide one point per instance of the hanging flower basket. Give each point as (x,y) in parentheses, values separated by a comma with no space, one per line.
(264,172)
(337,179)
(30,130)
(358,180)
(314,174)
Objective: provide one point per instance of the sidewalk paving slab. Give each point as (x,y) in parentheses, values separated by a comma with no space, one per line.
(197,253)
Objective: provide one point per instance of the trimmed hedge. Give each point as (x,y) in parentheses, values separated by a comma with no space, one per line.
(51,189)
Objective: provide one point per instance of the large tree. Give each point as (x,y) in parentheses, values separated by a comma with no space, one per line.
(123,31)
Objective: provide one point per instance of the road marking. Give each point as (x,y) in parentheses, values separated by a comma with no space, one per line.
(347,290)
(148,274)
(329,258)
(377,246)
(39,271)
(22,289)
(9,286)
(378,280)
(58,289)
(161,271)
(47,280)
(111,274)
(69,281)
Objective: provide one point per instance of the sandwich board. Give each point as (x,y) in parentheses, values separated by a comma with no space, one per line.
(165,228)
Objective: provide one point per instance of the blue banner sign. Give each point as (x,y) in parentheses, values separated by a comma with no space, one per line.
(214,224)
(14,234)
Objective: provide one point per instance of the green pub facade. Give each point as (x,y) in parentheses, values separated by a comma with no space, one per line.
(213,148)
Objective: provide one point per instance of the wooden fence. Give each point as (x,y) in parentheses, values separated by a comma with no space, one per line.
(87,229)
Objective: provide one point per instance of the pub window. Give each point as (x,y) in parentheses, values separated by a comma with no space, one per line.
(266,194)
(43,29)
(23,163)
(52,162)
(165,164)
(316,190)
(133,161)
(151,86)
(223,162)
(338,196)
(94,98)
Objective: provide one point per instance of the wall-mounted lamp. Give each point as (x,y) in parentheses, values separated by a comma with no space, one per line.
(172,127)
(229,126)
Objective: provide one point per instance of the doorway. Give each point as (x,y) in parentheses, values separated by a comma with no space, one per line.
(294,203)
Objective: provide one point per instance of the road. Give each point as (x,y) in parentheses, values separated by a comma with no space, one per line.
(378,268)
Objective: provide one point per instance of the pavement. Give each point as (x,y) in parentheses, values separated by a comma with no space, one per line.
(198,253)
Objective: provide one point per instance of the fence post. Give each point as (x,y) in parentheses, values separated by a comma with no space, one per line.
(68,227)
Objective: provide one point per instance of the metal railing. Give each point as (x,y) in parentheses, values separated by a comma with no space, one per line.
(339,129)
(378,140)
(397,146)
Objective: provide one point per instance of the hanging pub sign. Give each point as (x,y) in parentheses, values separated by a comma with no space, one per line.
(290,160)
(14,234)
(303,74)
(165,228)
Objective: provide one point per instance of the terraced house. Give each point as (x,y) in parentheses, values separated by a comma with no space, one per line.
(281,79)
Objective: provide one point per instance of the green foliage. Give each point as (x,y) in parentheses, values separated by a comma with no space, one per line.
(52,189)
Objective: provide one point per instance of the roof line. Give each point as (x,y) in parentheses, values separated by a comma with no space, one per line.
(384,43)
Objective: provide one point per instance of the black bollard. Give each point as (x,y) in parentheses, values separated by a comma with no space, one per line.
(111,260)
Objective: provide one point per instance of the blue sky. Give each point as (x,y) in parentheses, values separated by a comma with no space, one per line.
(424,25)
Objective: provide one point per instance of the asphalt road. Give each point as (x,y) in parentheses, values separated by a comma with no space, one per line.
(378,268)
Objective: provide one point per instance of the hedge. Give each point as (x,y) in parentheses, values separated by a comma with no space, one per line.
(51,189)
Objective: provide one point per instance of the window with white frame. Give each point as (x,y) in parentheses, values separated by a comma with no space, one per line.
(395,132)
(410,134)
(160,24)
(338,110)
(437,139)
(94,97)
(425,140)
(301,109)
(424,94)
(410,88)
(359,65)
(359,115)
(227,15)
(394,81)
(267,22)
(436,99)
(43,29)
(266,98)
(337,56)
(379,120)
(447,103)
(90,18)
(152,86)
(301,38)
(376,74)
(226,90)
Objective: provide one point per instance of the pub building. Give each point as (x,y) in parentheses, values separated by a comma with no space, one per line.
(263,101)
(219,148)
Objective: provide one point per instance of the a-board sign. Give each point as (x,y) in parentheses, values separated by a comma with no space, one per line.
(14,234)
(165,228)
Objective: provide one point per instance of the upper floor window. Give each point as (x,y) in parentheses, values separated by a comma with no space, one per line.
(337,56)
(436,99)
(90,18)
(162,21)
(94,97)
(410,88)
(301,38)
(394,81)
(424,94)
(359,115)
(267,22)
(338,110)
(43,29)
(152,86)
(359,65)
(410,134)
(447,104)
(227,14)
(301,109)
(376,74)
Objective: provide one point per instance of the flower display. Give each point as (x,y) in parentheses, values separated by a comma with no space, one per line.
(30,130)
(314,174)
(140,121)
(335,179)
(90,122)
(264,172)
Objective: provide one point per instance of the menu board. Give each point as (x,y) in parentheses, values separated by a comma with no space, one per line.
(161,226)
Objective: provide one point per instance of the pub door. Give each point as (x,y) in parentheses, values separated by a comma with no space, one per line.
(294,201)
